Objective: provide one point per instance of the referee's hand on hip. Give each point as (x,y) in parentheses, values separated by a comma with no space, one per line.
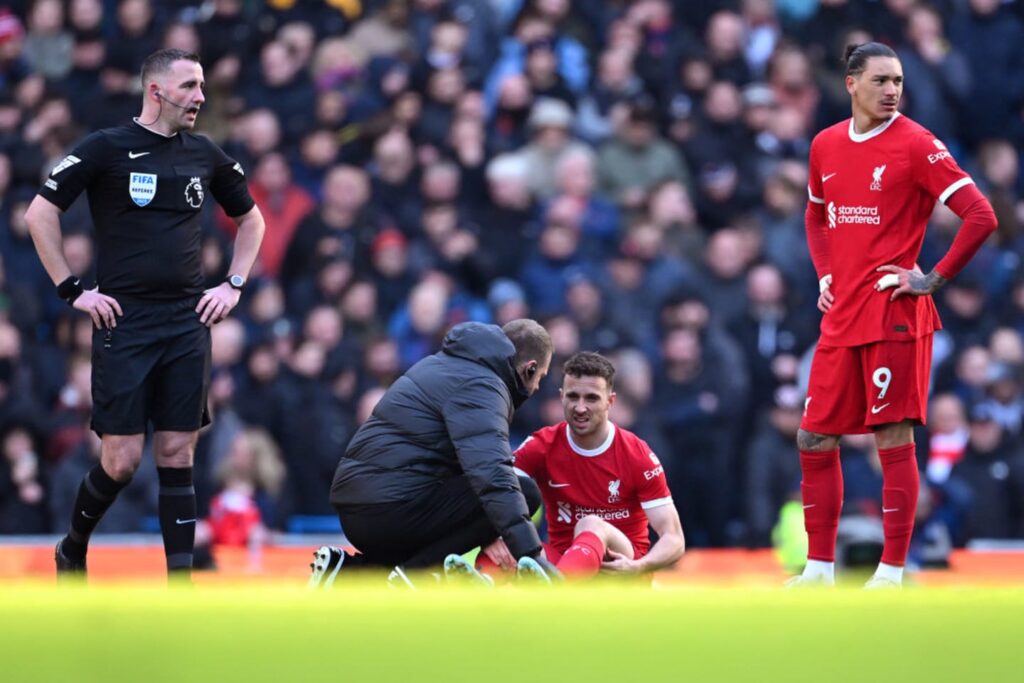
(217,303)
(100,307)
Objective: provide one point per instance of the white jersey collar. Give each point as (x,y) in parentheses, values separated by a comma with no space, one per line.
(874,132)
(594,451)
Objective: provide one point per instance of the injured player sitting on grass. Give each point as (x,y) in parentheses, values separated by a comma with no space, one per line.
(601,485)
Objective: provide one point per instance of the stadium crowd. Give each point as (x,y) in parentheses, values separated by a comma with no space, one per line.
(633,174)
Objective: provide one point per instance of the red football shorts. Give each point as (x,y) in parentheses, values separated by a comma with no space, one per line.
(855,388)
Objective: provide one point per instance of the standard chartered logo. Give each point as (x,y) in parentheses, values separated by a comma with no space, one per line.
(852,215)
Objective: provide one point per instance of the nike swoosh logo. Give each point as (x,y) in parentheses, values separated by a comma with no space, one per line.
(556,486)
(890,509)
(875,410)
(825,178)
(136,155)
(88,516)
(809,506)
(184,521)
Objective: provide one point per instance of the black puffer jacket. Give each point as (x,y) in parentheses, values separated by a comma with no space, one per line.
(448,416)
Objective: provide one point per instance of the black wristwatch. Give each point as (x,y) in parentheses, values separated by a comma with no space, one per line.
(236,282)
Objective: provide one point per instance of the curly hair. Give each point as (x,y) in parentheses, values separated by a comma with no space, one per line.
(590,364)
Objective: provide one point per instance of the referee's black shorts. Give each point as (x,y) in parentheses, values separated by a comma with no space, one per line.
(153,368)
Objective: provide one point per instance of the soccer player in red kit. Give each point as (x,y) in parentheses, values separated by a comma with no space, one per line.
(874,181)
(601,484)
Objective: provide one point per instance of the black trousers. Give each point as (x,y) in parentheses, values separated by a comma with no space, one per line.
(422,532)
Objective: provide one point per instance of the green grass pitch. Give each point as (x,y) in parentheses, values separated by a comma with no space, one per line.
(367,633)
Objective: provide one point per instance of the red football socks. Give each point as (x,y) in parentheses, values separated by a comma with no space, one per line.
(900,485)
(583,558)
(822,489)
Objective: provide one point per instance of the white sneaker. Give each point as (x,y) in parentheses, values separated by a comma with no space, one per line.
(880,583)
(457,569)
(327,560)
(801,581)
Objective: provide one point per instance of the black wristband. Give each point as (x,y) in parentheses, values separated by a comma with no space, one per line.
(70,289)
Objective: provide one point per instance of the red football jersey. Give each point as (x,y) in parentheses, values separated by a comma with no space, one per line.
(616,482)
(878,190)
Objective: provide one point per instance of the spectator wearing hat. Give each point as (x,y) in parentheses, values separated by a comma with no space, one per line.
(551,124)
(14,67)
(507,301)
(391,270)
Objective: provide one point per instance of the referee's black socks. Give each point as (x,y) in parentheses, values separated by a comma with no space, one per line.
(96,493)
(177,517)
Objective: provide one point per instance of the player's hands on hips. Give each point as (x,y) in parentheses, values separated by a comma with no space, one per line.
(825,298)
(217,303)
(101,308)
(908,282)
(617,563)
(498,553)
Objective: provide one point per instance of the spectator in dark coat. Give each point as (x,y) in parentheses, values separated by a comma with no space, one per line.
(772,473)
(991,40)
(993,468)
(22,493)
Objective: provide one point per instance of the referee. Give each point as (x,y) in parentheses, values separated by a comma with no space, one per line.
(146,183)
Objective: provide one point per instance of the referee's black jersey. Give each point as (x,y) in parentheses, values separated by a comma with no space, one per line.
(145,194)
